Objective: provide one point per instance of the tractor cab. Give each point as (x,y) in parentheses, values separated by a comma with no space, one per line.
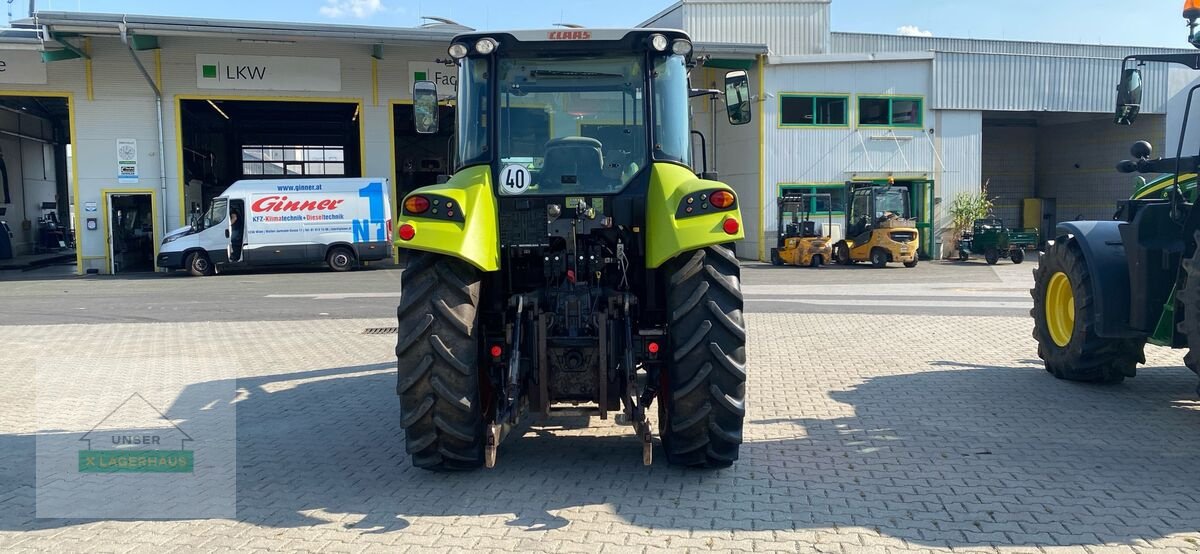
(574,262)
(802,240)
(880,225)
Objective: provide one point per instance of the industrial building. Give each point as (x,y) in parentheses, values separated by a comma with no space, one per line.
(1031,120)
(122,127)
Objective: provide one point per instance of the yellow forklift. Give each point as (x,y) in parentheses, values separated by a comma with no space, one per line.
(802,241)
(880,226)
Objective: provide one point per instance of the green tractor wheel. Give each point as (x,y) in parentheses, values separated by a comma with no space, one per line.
(1189,300)
(703,400)
(437,350)
(1062,322)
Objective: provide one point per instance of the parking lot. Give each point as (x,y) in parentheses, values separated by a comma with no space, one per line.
(888,409)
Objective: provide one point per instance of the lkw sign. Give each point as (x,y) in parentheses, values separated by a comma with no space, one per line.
(225,72)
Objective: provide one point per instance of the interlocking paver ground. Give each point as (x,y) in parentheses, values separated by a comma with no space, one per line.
(864,433)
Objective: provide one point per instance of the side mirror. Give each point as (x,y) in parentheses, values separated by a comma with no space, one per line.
(737,97)
(1129,96)
(425,107)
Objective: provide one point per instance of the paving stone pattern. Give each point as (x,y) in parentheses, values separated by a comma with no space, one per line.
(864,433)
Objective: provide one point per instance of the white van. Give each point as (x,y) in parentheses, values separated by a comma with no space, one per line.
(286,221)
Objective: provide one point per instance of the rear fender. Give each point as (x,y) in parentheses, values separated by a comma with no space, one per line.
(1108,271)
(472,235)
(668,236)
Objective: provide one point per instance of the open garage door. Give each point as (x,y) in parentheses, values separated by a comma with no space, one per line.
(35,194)
(227,140)
(1047,167)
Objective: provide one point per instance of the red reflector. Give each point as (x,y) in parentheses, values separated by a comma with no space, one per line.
(407,232)
(416,204)
(497,351)
(721,199)
(730,226)
(652,348)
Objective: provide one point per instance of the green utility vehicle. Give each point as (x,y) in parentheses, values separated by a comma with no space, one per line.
(1103,289)
(990,237)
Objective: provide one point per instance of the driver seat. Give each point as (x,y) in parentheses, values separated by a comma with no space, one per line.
(572,160)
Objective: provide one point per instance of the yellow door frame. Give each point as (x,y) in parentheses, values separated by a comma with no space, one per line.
(179,98)
(70,96)
(105,195)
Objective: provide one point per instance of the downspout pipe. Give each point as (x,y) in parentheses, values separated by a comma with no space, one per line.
(162,143)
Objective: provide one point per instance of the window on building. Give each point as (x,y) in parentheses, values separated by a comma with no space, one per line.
(802,110)
(268,160)
(893,112)
(817,205)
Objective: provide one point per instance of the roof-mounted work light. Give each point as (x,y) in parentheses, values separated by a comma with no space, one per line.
(1191,12)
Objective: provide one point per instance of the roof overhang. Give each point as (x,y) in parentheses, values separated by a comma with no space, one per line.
(103,24)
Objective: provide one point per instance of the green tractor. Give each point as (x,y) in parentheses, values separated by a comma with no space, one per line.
(573,264)
(1103,289)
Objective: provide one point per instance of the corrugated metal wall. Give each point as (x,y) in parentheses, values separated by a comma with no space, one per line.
(841,43)
(1008,82)
(798,27)
(959,138)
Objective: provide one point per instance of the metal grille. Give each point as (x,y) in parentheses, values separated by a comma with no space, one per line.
(380,330)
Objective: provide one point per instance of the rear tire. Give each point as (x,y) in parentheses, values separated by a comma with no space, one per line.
(341,258)
(437,354)
(879,257)
(1084,356)
(991,255)
(775,259)
(198,264)
(963,256)
(1017,256)
(816,261)
(703,402)
(1189,300)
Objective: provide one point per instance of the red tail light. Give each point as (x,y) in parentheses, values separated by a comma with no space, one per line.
(652,348)
(389,230)
(730,226)
(416,204)
(496,351)
(721,199)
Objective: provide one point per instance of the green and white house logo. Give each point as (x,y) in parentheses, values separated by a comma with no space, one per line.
(136,437)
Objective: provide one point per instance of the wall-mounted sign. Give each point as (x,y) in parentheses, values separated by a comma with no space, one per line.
(22,67)
(219,71)
(89,206)
(127,165)
(445,77)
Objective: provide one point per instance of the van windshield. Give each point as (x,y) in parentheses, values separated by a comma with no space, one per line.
(215,214)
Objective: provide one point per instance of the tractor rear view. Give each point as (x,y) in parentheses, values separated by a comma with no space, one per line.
(1103,289)
(573,264)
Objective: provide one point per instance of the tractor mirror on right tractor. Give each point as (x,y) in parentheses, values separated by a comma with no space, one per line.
(1129,96)
(737,97)
(425,107)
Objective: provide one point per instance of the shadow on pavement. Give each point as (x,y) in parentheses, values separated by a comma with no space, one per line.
(948,457)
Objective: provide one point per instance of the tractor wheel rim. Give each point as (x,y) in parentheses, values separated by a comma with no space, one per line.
(1060,309)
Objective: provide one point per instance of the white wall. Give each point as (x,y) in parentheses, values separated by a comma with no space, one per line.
(797,155)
